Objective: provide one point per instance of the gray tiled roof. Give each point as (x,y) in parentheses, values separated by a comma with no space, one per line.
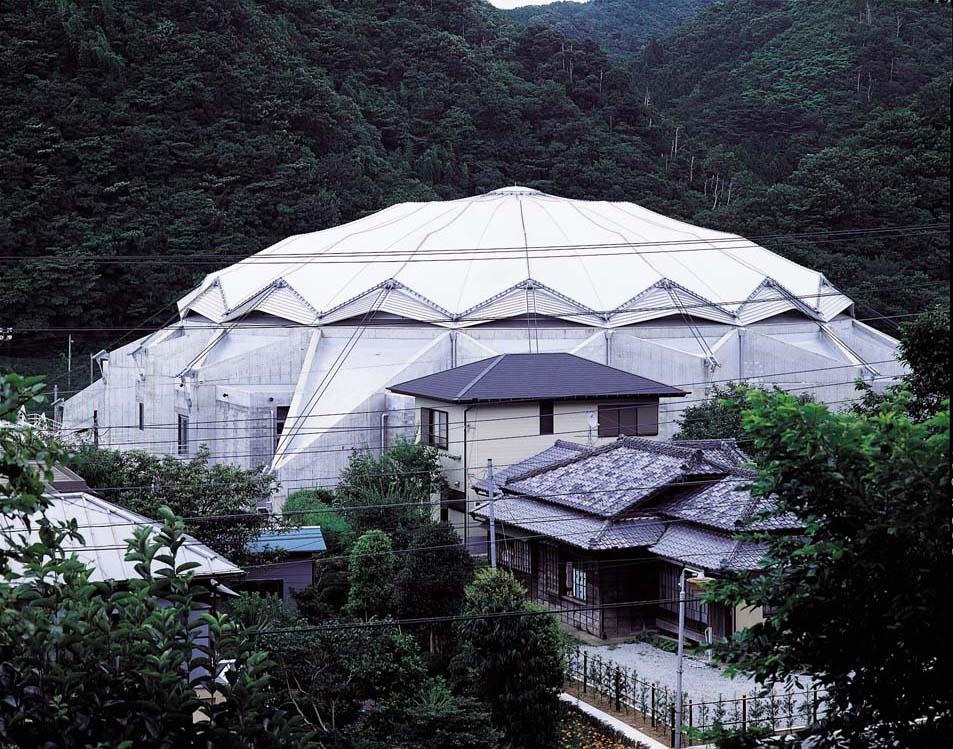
(609,479)
(726,504)
(545,376)
(571,526)
(561,450)
(708,549)
(690,498)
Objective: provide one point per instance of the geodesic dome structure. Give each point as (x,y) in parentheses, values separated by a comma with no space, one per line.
(285,357)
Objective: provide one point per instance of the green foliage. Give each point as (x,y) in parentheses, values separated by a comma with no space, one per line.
(433,572)
(395,486)
(315,507)
(371,576)
(327,596)
(87,663)
(620,27)
(716,418)
(143,483)
(721,416)
(856,600)
(512,663)
(826,120)
(925,348)
(260,611)
(331,673)
(433,719)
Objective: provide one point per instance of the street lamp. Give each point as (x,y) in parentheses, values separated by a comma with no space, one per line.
(698,579)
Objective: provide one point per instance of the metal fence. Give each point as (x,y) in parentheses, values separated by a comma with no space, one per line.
(782,711)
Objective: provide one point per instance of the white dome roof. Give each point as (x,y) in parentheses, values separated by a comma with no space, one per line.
(515,251)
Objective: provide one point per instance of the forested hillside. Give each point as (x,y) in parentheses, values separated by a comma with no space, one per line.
(620,27)
(782,77)
(823,115)
(180,129)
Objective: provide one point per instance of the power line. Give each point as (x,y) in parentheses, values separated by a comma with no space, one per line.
(502,252)
(362,445)
(460,617)
(372,412)
(435,319)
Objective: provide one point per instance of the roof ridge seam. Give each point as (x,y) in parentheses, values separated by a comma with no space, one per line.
(496,360)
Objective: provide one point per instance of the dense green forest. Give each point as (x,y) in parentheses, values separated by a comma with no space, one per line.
(620,27)
(136,128)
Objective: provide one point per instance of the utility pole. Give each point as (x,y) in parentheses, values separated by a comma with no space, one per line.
(698,577)
(491,490)
(678,667)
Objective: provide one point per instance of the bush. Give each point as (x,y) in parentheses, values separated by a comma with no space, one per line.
(371,576)
(316,507)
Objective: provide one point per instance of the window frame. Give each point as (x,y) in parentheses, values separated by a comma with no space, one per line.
(182,434)
(435,427)
(628,419)
(280,422)
(516,554)
(577,581)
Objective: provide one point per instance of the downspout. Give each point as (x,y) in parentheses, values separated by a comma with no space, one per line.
(466,486)
(384,420)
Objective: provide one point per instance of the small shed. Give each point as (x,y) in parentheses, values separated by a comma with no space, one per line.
(294,570)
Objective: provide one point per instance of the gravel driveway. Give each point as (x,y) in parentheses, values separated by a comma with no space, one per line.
(655,665)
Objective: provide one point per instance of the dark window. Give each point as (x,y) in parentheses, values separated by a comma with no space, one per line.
(182,435)
(549,563)
(545,417)
(142,416)
(281,417)
(435,428)
(628,419)
(515,554)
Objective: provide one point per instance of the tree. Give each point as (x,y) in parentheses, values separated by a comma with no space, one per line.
(192,489)
(316,507)
(857,600)
(394,486)
(716,418)
(433,574)
(371,576)
(721,417)
(104,664)
(332,673)
(510,657)
(925,348)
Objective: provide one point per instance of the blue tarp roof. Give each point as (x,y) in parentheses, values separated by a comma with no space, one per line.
(307,538)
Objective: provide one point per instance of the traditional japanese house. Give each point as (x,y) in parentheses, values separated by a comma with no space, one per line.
(603,533)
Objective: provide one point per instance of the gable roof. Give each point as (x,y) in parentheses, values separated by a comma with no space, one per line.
(520,377)
(105,528)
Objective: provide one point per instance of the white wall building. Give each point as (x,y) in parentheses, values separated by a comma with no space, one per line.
(284,358)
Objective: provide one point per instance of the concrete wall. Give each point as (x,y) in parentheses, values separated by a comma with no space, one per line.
(232,381)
